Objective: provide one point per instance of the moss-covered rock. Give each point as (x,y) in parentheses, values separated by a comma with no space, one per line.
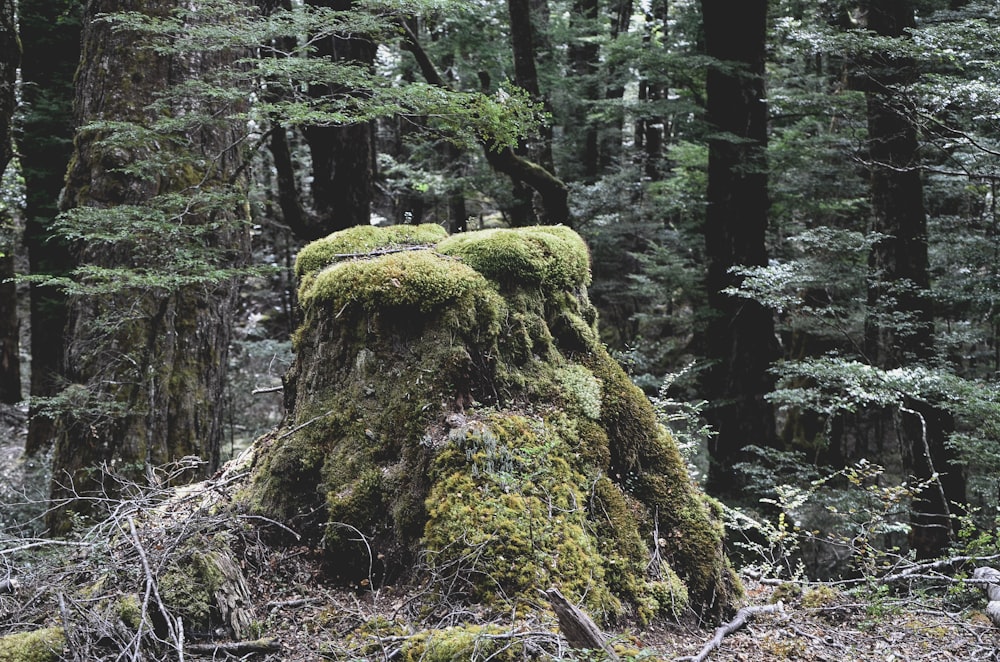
(45,645)
(452,412)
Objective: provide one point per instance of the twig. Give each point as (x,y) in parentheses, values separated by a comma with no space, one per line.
(302,425)
(267,389)
(236,647)
(921,568)
(732,626)
(274,523)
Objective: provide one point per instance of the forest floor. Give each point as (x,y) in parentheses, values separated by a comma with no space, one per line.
(312,620)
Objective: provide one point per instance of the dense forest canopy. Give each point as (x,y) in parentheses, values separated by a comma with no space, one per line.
(790,210)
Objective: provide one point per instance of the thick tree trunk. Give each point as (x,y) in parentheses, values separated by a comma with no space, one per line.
(146,366)
(10,364)
(50,32)
(740,339)
(899,283)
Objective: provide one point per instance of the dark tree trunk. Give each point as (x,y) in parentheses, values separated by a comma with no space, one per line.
(584,54)
(343,157)
(50,34)
(740,341)
(147,364)
(899,283)
(538,149)
(10,364)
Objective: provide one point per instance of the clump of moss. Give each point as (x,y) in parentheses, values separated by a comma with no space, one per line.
(419,280)
(507,503)
(45,645)
(553,257)
(463,643)
(363,239)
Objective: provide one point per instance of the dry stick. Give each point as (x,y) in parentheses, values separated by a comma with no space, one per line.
(732,626)
(579,630)
(152,588)
(236,647)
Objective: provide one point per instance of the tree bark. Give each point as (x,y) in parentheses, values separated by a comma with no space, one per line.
(899,283)
(147,365)
(740,342)
(10,363)
(343,157)
(50,32)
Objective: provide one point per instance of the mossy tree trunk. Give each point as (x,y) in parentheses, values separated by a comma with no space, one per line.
(50,34)
(10,365)
(145,363)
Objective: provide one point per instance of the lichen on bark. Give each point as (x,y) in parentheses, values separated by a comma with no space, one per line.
(452,413)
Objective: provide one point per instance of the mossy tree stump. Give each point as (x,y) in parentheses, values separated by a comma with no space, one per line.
(452,411)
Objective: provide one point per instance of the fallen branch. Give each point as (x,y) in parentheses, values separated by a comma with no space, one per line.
(579,630)
(236,647)
(922,568)
(732,626)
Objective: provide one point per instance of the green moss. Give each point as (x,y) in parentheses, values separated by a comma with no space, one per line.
(582,389)
(554,257)
(467,643)
(363,239)
(188,585)
(43,645)
(129,610)
(508,510)
(418,280)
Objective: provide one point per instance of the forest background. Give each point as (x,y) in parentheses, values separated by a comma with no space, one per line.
(790,208)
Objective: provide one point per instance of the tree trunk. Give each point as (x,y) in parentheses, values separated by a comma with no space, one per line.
(146,365)
(584,60)
(740,339)
(343,157)
(50,32)
(899,283)
(10,363)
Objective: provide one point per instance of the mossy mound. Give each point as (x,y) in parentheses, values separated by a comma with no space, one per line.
(43,645)
(452,411)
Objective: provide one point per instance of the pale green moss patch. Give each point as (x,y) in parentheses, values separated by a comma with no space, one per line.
(420,280)
(363,239)
(508,503)
(45,645)
(551,256)
(462,644)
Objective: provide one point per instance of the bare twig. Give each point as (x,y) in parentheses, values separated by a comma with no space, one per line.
(236,647)
(732,626)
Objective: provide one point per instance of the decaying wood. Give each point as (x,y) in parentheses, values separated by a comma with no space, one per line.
(578,628)
(232,596)
(732,626)
(235,647)
(8,585)
(990,578)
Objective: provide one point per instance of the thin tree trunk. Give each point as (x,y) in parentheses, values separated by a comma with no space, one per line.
(740,339)
(50,34)
(10,364)
(899,282)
